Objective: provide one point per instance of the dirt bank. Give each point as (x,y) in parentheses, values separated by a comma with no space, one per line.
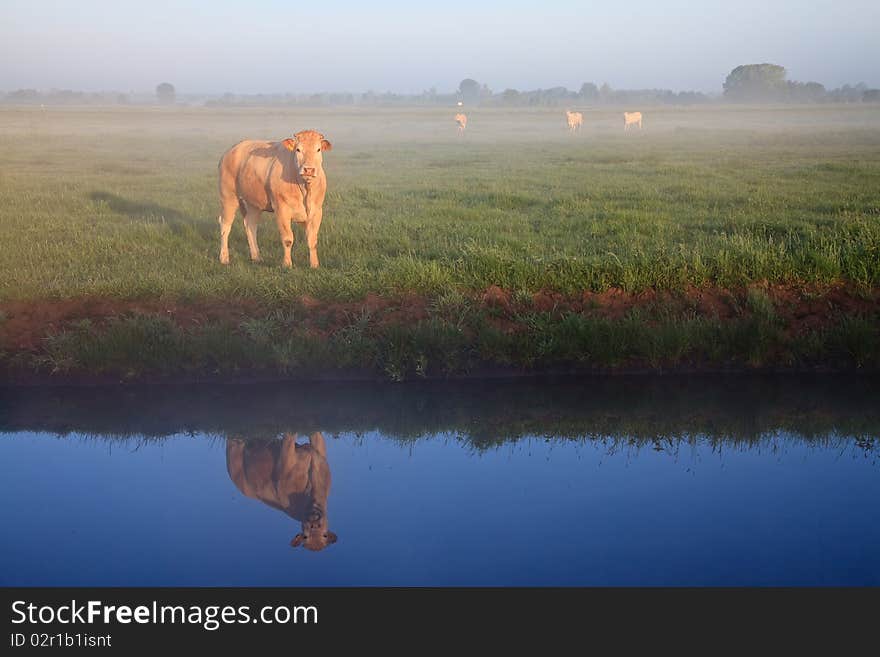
(782,326)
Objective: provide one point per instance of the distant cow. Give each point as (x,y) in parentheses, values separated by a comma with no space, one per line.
(289,477)
(575,120)
(632,118)
(461,120)
(285,177)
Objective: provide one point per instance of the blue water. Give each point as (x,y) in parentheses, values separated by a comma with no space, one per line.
(774,507)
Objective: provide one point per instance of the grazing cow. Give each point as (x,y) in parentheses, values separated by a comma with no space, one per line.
(285,177)
(289,477)
(575,120)
(632,118)
(461,120)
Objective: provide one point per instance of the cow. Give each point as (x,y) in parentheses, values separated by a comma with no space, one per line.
(285,177)
(461,120)
(632,118)
(287,476)
(575,120)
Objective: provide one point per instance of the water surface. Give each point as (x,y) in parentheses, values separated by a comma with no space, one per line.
(632,481)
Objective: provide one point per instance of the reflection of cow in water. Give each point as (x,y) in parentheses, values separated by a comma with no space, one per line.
(290,477)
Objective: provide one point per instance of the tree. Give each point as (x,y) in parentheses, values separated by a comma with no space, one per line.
(165,93)
(469,90)
(759,82)
(806,92)
(556,96)
(589,92)
(510,97)
(24,95)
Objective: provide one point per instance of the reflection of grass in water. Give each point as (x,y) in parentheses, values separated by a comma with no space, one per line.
(646,412)
(611,445)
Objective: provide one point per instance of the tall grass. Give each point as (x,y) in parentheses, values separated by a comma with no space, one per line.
(137,346)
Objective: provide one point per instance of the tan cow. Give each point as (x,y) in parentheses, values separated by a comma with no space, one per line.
(285,177)
(630,118)
(461,120)
(575,120)
(289,477)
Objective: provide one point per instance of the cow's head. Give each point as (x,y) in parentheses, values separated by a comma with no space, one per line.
(308,149)
(315,535)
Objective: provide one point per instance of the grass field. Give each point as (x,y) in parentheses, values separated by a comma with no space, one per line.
(715,237)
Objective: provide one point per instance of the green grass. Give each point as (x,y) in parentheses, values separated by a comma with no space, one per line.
(134,346)
(122,204)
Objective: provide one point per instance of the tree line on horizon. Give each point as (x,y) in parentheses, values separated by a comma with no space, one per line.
(752,83)
(749,83)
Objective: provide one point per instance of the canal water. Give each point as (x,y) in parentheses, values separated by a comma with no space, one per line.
(734,480)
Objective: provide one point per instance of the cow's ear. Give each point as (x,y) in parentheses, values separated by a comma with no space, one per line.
(297,540)
(289,144)
(331,537)
(326,145)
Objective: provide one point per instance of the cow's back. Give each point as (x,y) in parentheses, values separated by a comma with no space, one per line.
(255,469)
(251,466)
(245,170)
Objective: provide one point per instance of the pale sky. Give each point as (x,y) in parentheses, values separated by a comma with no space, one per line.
(338,45)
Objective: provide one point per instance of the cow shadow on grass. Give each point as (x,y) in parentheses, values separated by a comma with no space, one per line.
(288,476)
(145,212)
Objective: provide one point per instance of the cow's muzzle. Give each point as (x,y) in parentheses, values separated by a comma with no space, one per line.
(308,172)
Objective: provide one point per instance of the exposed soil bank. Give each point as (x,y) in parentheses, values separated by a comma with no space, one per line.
(492,332)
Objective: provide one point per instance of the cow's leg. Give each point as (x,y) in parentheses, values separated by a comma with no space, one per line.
(316,440)
(287,458)
(312,228)
(227,216)
(235,463)
(251,220)
(284,218)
